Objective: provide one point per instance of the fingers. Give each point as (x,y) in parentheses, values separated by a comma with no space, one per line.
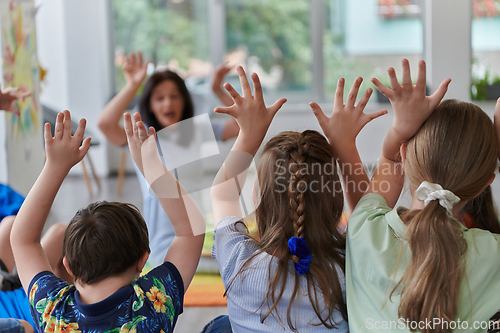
(393,79)
(364,99)
(421,79)
(47,134)
(382,88)
(318,112)
(66,124)
(58,131)
(137,117)
(152,131)
(353,93)
(257,88)
(339,94)
(142,131)
(435,98)
(232,92)
(127,124)
(245,86)
(407,84)
(277,105)
(80,130)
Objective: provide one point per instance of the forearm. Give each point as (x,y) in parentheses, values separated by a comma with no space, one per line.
(354,176)
(180,208)
(109,119)
(388,179)
(31,218)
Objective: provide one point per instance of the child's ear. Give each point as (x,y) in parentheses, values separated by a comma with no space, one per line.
(142,261)
(66,265)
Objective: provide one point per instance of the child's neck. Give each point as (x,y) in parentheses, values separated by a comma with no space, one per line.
(96,292)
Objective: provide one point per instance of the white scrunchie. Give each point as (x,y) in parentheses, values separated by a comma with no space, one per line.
(427,192)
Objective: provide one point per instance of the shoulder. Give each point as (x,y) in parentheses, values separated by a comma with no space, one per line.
(371,207)
(161,283)
(232,246)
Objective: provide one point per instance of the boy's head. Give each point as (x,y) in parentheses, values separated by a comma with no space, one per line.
(104,239)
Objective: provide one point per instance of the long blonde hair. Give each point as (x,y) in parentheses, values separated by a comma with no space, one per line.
(456,148)
(291,171)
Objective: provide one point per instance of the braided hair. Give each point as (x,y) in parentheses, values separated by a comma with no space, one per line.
(300,196)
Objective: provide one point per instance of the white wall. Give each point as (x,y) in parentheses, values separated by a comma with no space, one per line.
(76,49)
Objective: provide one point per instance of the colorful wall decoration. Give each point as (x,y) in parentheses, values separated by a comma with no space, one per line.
(25,154)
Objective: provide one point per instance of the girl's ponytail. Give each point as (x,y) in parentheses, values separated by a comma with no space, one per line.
(431,282)
(456,148)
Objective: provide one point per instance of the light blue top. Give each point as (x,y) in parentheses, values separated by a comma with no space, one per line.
(374,236)
(231,250)
(161,231)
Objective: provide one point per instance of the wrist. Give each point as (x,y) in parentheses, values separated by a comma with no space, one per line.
(130,85)
(56,169)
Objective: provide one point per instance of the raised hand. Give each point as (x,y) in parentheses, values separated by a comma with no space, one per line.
(8,98)
(135,69)
(250,111)
(410,103)
(346,121)
(65,150)
(141,144)
(219,74)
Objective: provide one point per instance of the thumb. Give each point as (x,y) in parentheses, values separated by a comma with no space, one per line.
(277,105)
(318,112)
(439,94)
(84,148)
(226,110)
(376,114)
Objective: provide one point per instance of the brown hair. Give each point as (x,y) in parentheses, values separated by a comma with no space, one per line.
(482,212)
(457,148)
(292,205)
(104,239)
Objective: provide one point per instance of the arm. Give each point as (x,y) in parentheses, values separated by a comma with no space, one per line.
(9,96)
(186,218)
(134,71)
(254,119)
(341,129)
(219,74)
(63,152)
(411,108)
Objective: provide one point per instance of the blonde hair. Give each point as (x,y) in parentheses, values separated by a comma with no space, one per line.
(456,148)
(290,205)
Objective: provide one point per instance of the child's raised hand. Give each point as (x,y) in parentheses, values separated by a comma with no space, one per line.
(64,150)
(410,103)
(9,96)
(346,121)
(135,69)
(141,144)
(250,112)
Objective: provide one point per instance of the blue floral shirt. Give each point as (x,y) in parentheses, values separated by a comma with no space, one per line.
(151,303)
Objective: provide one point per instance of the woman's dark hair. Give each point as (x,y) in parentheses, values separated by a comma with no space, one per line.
(144,102)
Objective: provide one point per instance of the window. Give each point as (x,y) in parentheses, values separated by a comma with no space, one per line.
(485,49)
(299,48)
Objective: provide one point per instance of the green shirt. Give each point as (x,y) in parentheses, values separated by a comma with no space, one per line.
(374,241)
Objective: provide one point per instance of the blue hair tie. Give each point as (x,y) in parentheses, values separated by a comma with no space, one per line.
(298,247)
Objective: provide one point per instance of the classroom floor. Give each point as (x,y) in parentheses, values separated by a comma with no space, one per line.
(74,195)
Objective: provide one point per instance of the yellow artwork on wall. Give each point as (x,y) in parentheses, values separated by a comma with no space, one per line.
(20,64)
